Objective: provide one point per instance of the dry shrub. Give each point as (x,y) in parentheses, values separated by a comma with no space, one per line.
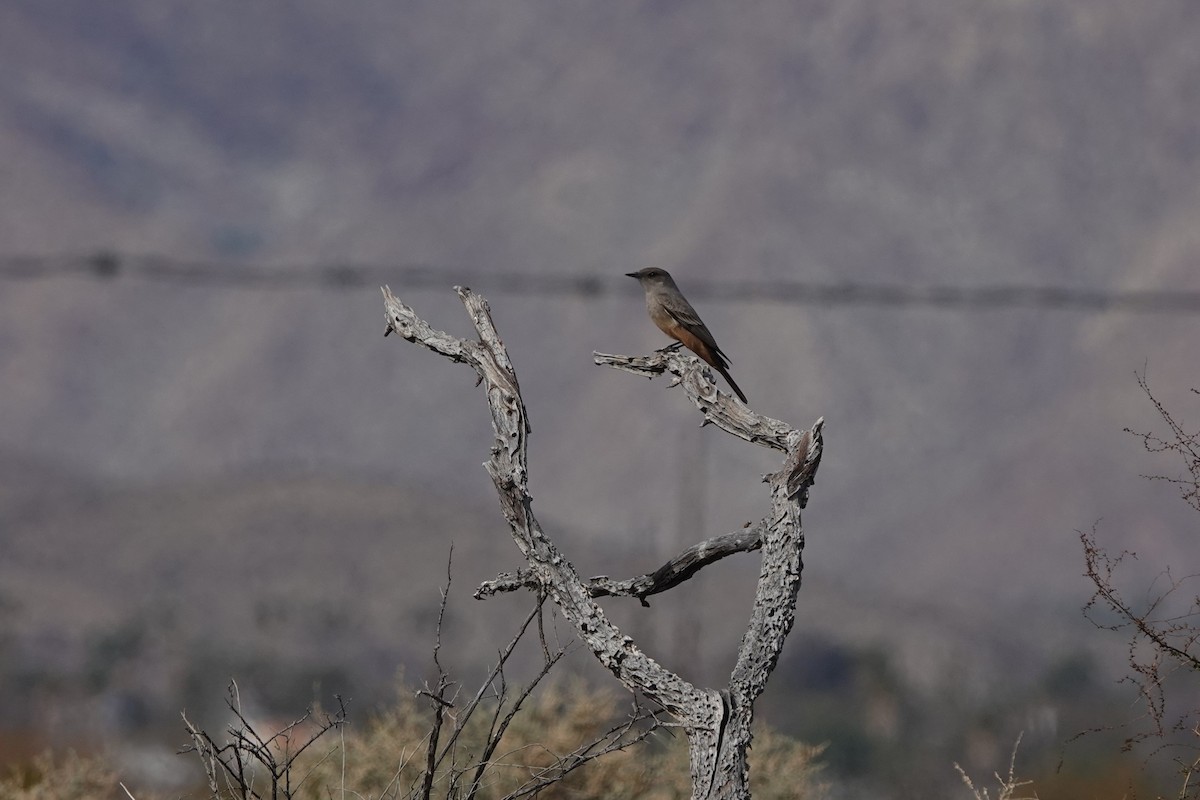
(386,759)
(72,777)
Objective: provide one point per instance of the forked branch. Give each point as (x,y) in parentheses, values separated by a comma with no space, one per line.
(717,722)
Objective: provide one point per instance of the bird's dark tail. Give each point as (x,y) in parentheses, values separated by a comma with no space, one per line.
(725,373)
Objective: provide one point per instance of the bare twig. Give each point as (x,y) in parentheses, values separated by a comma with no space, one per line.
(438,696)
(496,671)
(232,763)
(1008,785)
(619,737)
(1183,443)
(497,732)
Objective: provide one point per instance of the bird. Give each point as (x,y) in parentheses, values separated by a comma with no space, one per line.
(675,317)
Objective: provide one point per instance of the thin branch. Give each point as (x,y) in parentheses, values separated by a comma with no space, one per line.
(668,576)
(1160,633)
(541,624)
(438,696)
(498,732)
(611,741)
(497,670)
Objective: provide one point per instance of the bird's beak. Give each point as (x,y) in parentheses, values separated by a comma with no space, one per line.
(633,275)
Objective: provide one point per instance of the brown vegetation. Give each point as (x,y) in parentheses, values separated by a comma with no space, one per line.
(384,758)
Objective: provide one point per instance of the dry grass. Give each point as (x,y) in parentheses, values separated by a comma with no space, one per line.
(386,759)
(71,777)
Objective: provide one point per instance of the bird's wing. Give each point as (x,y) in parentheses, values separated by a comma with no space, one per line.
(687,317)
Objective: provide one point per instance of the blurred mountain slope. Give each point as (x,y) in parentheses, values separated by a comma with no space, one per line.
(928,142)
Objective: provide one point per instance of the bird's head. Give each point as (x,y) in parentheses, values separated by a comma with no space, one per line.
(652,277)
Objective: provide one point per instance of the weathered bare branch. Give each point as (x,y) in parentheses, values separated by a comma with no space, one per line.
(507,467)
(718,408)
(668,576)
(717,722)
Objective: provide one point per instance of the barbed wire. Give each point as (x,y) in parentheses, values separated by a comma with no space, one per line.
(345,276)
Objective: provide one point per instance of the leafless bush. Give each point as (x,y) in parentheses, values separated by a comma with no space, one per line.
(251,765)
(1163,626)
(484,744)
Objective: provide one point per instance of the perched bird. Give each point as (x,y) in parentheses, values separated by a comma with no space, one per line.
(675,317)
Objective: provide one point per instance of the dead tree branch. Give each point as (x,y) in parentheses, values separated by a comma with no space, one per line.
(668,576)
(717,723)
